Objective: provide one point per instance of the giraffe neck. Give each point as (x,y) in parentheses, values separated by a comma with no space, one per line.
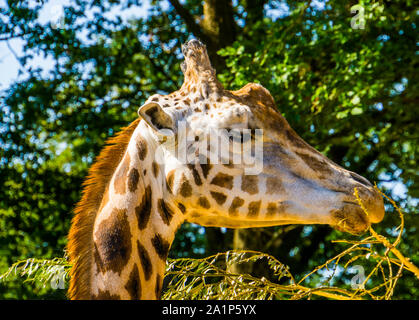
(133,228)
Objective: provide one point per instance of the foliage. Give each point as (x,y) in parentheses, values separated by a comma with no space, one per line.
(54,272)
(211,277)
(351,93)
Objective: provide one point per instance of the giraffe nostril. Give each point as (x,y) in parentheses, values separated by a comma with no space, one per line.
(360,179)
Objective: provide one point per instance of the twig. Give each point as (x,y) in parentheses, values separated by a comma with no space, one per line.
(391,246)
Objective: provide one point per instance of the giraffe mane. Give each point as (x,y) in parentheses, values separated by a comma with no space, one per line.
(80,238)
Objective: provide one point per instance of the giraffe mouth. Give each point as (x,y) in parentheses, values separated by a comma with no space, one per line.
(351,218)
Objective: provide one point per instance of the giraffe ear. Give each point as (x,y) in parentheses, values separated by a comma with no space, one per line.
(157,118)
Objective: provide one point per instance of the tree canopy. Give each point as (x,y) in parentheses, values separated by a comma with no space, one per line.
(350,92)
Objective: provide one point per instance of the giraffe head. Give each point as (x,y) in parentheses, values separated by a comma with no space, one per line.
(231,159)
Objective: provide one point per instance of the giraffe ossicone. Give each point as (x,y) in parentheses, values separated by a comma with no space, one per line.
(185,159)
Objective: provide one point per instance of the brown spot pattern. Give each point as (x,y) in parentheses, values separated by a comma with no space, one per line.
(219,197)
(273,185)
(156,168)
(157,290)
(169,180)
(272,209)
(282,207)
(166,213)
(161,246)
(223,180)
(133,285)
(205,167)
(106,295)
(204,203)
(254,208)
(250,184)
(133,178)
(185,187)
(235,204)
(181,207)
(142,148)
(143,211)
(145,260)
(195,175)
(114,241)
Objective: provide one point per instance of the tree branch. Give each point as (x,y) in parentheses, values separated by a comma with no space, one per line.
(160,69)
(189,20)
(16,57)
(11,37)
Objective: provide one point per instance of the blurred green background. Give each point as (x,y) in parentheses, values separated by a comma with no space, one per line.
(74,72)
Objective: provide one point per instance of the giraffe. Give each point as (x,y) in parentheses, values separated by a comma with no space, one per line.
(139,191)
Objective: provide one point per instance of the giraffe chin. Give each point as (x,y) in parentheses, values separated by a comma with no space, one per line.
(351,219)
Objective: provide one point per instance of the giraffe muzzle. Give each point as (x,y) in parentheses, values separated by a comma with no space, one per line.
(372,202)
(355,219)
